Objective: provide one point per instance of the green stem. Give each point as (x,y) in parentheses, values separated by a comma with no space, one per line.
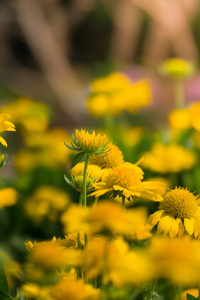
(79,240)
(148,295)
(86,239)
(96,201)
(84,181)
(123,202)
(179,94)
(81,199)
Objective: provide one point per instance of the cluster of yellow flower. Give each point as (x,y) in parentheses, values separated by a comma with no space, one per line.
(124,231)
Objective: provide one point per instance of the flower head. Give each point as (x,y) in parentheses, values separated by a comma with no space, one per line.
(89,143)
(5,125)
(8,197)
(126,181)
(113,159)
(168,158)
(177,68)
(178,211)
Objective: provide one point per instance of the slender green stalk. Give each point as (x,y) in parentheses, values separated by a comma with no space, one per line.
(81,199)
(86,238)
(123,202)
(79,240)
(148,295)
(84,181)
(96,201)
(179,94)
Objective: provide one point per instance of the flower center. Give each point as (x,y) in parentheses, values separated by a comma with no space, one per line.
(180,203)
(124,177)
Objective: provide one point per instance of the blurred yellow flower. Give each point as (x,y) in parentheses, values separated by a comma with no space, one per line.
(116,93)
(110,83)
(5,125)
(46,201)
(182,119)
(115,263)
(127,181)
(29,114)
(110,216)
(177,68)
(74,289)
(51,255)
(8,197)
(176,259)
(114,158)
(168,158)
(93,170)
(44,149)
(138,96)
(35,291)
(12,268)
(178,211)
(71,240)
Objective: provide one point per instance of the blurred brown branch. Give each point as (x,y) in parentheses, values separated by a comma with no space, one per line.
(49,51)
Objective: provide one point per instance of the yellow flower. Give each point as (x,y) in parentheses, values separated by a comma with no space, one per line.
(89,143)
(110,216)
(35,291)
(71,240)
(116,93)
(8,197)
(47,257)
(46,201)
(74,289)
(180,119)
(113,158)
(176,259)
(44,148)
(115,263)
(126,181)
(93,171)
(177,68)
(139,95)
(5,125)
(32,116)
(12,268)
(178,211)
(168,158)
(93,174)
(110,83)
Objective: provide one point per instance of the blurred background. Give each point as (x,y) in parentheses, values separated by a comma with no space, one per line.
(52,49)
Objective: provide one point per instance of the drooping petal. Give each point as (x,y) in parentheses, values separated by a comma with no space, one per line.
(189,225)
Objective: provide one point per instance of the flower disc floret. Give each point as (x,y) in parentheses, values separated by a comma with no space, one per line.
(179,203)
(89,143)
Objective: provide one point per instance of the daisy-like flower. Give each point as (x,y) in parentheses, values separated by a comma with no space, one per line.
(5,125)
(89,143)
(113,159)
(126,181)
(178,211)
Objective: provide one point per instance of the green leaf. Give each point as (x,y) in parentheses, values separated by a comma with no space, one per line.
(3,280)
(77,158)
(190,297)
(5,296)
(69,181)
